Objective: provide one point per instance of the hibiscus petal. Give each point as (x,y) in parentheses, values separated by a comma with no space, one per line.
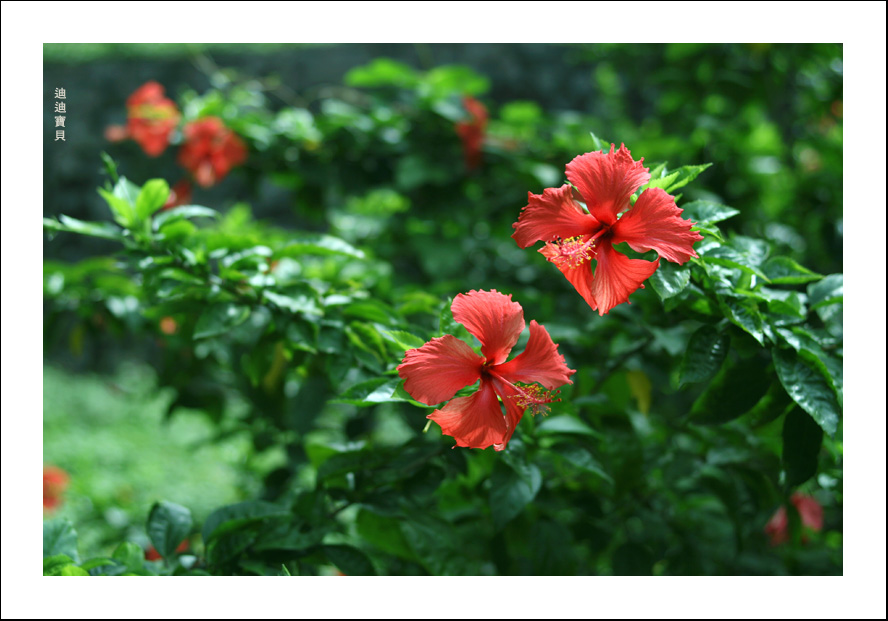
(655,223)
(540,362)
(617,276)
(494,318)
(475,421)
(514,412)
(551,215)
(580,276)
(434,372)
(607,180)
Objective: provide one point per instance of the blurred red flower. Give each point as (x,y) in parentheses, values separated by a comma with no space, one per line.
(151,554)
(211,150)
(810,513)
(55,480)
(472,131)
(574,236)
(180,194)
(436,371)
(151,118)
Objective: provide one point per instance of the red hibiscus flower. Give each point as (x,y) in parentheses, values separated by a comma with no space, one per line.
(151,554)
(810,512)
(151,118)
(180,194)
(434,372)
(55,480)
(211,150)
(472,132)
(574,236)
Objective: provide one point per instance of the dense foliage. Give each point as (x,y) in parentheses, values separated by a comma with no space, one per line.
(697,414)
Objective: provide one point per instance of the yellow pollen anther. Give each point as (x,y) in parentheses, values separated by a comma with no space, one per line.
(573,251)
(535,398)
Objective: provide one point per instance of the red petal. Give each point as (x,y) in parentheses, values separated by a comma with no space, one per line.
(475,421)
(617,276)
(434,372)
(493,317)
(607,180)
(580,276)
(539,362)
(514,412)
(550,215)
(809,510)
(655,223)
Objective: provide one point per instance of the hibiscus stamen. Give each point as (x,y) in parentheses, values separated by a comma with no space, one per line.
(534,397)
(571,252)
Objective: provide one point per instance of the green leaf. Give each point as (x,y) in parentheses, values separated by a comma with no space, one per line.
(669,280)
(105,230)
(598,144)
(219,318)
(809,389)
(124,213)
(735,390)
(785,271)
(130,555)
(53,565)
(296,299)
(110,166)
(566,425)
(59,537)
(582,459)
(802,438)
(678,178)
(181,213)
(371,392)
(127,190)
(318,244)
(510,492)
(729,257)
(745,314)
(404,340)
(349,560)
(168,526)
(383,533)
(152,197)
(382,72)
(233,517)
(826,298)
(707,350)
(705,213)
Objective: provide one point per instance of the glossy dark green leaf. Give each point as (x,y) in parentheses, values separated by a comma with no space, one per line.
(736,388)
(383,533)
(730,257)
(808,388)
(59,537)
(705,212)
(745,314)
(219,318)
(706,351)
(349,560)
(785,271)
(802,438)
(669,280)
(232,517)
(510,492)
(168,526)
(566,425)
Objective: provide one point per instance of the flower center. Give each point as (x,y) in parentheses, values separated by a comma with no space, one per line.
(534,397)
(571,252)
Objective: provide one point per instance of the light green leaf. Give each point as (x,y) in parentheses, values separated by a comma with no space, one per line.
(152,197)
(785,271)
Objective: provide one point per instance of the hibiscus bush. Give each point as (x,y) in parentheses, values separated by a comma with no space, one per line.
(655,391)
